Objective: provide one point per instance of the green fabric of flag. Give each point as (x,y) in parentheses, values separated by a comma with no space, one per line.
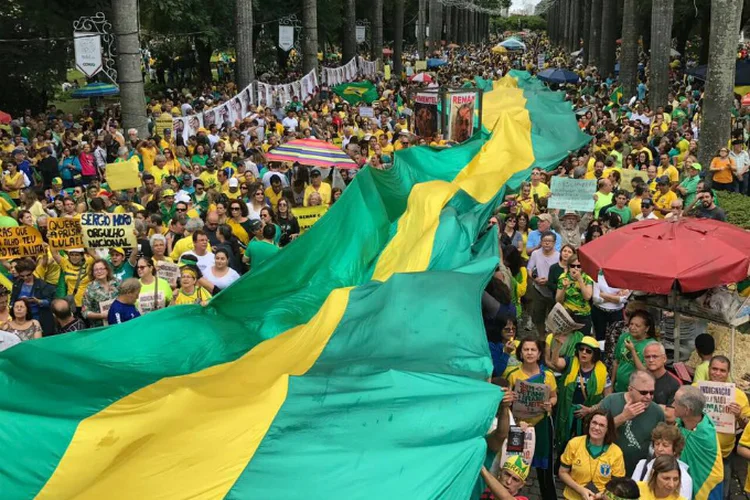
(356,92)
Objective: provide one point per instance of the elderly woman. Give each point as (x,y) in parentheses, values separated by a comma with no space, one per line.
(583,384)
(593,458)
(190,292)
(574,291)
(666,440)
(630,346)
(100,293)
(23,325)
(664,482)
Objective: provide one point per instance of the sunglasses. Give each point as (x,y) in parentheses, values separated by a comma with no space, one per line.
(244,187)
(142,267)
(182,209)
(235,209)
(575,266)
(586,350)
(643,393)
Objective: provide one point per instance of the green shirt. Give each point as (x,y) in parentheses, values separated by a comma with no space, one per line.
(602,201)
(625,360)
(634,436)
(258,251)
(574,301)
(623,212)
(691,188)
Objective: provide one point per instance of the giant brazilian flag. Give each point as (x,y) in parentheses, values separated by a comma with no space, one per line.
(353,364)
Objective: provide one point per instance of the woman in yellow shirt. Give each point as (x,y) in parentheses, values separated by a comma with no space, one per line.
(13,182)
(664,482)
(722,167)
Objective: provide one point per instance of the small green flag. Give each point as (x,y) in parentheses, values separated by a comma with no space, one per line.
(355,92)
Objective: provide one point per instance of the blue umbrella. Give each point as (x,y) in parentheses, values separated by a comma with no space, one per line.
(95,89)
(557,75)
(434,62)
(513,44)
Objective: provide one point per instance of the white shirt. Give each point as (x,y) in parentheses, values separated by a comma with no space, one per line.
(290,123)
(267,179)
(205,262)
(686,483)
(213,139)
(224,281)
(602,286)
(650,217)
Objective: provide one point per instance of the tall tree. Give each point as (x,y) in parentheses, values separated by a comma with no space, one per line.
(421,21)
(310,35)
(565,19)
(434,37)
(629,50)
(243,24)
(586,30)
(349,48)
(398,38)
(596,32)
(449,36)
(662,12)
(608,38)
(132,95)
(576,34)
(719,94)
(377,31)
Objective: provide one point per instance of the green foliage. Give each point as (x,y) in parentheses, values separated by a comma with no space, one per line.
(737,207)
(517,23)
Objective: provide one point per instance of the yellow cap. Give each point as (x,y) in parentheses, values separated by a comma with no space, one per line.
(589,341)
(515,464)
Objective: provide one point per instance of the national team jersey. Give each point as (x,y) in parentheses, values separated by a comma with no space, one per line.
(585,469)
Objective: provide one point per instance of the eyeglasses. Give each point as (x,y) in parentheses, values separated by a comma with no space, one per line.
(235,209)
(142,267)
(182,209)
(643,393)
(244,187)
(575,266)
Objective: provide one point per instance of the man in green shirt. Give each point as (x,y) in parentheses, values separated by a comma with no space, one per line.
(621,207)
(261,247)
(689,185)
(603,196)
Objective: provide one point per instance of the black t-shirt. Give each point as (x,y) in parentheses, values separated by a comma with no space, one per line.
(665,389)
(715,213)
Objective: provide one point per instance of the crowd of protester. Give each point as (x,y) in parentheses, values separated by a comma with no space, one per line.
(216,207)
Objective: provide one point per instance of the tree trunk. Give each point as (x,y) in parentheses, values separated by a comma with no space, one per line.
(586,30)
(129,77)
(310,35)
(398,39)
(349,48)
(576,45)
(421,21)
(565,20)
(456,24)
(243,23)
(596,32)
(629,50)
(204,51)
(435,5)
(608,41)
(719,93)
(662,12)
(448,24)
(377,31)
(705,31)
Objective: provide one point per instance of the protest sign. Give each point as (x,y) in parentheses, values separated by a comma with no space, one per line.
(529,399)
(20,241)
(426,114)
(559,321)
(64,233)
(366,112)
(387,71)
(123,175)
(307,216)
(718,397)
(108,230)
(167,271)
(572,194)
(461,117)
(163,121)
(421,65)
(148,302)
(104,308)
(628,174)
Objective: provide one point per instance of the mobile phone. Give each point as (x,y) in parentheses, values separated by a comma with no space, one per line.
(516,437)
(536,199)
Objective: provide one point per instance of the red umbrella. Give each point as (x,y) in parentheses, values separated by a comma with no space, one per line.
(655,255)
(746,100)
(4,118)
(387,51)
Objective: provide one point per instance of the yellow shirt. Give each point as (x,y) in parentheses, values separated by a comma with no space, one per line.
(148,155)
(197,297)
(71,277)
(745,441)
(5,207)
(636,152)
(274,197)
(647,494)
(671,172)
(159,174)
(49,273)
(324,190)
(635,206)
(14,180)
(119,209)
(230,194)
(541,189)
(210,180)
(514,373)
(585,469)
(664,201)
(727,440)
(184,245)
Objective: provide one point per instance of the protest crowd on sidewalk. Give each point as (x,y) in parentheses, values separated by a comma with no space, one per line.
(101,226)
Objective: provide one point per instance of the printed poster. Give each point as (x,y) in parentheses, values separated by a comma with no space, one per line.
(718,397)
(461,117)
(426,114)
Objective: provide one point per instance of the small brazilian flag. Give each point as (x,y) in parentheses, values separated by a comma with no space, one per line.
(355,92)
(616,95)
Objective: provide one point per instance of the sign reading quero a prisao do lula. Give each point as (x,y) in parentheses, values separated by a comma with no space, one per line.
(108,230)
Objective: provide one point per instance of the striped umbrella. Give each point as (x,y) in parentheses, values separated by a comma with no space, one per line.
(312,152)
(96,89)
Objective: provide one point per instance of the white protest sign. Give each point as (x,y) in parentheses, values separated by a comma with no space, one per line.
(286,37)
(88,49)
(361,33)
(104,307)
(101,230)
(719,395)
(572,194)
(168,272)
(366,112)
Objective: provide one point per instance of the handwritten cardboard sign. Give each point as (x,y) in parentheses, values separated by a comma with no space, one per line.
(108,230)
(20,241)
(104,307)
(529,399)
(64,233)
(307,216)
(168,271)
(719,395)
(572,194)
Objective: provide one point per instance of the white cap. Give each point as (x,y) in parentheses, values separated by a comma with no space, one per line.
(233,182)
